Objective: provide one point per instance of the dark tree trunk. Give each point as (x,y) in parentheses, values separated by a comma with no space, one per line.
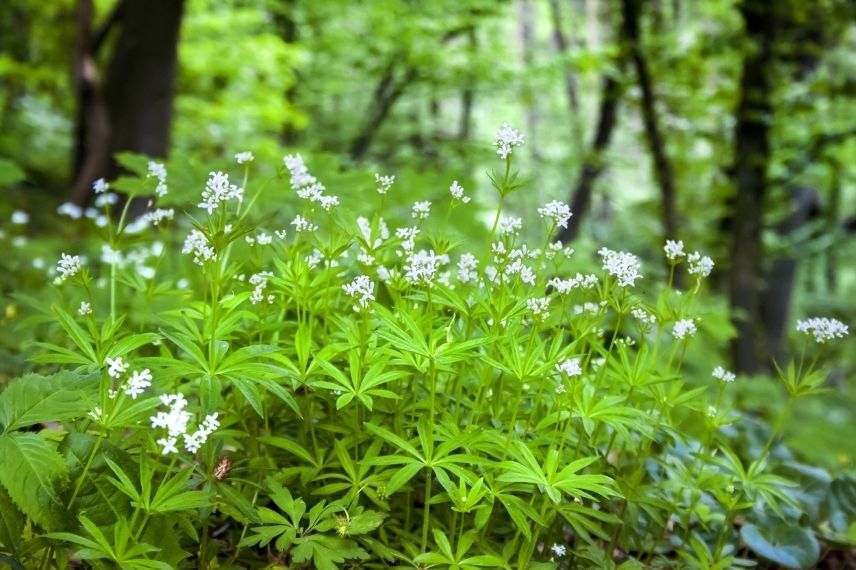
(593,165)
(663,171)
(92,128)
(140,84)
(390,87)
(751,160)
(283,16)
(562,44)
(781,279)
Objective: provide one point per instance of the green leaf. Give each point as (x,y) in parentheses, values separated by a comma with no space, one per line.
(30,471)
(788,545)
(34,399)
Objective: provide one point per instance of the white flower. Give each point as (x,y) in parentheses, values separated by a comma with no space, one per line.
(305,185)
(539,307)
(218,189)
(196,244)
(70,209)
(361,289)
(823,328)
(559,212)
(421,210)
(467,265)
(264,239)
(105,199)
(259,281)
(158,170)
(155,217)
(623,266)
(314,258)
(194,441)
(68,266)
(174,420)
(100,186)
(674,249)
(457,192)
(509,225)
(684,328)
(84,309)
(559,550)
(421,267)
(407,237)
(115,366)
(383,183)
(506,139)
(138,382)
(699,265)
(244,157)
(721,373)
(570,367)
(20,217)
(645,318)
(579,281)
(301,224)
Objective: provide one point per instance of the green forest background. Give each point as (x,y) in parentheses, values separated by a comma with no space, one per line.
(727,124)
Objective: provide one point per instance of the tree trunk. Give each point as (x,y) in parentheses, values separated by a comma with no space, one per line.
(140,85)
(593,163)
(526,20)
(663,171)
(562,45)
(468,93)
(751,160)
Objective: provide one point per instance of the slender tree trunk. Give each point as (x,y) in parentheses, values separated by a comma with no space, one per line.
(663,171)
(751,160)
(140,85)
(283,16)
(526,20)
(562,45)
(468,93)
(593,165)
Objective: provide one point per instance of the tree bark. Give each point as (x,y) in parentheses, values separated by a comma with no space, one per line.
(751,160)
(663,171)
(562,45)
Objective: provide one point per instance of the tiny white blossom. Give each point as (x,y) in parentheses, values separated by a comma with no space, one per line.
(244,157)
(158,170)
(115,366)
(219,189)
(645,318)
(674,249)
(407,237)
(70,209)
(559,212)
(155,217)
(467,265)
(138,382)
(539,307)
(196,244)
(457,192)
(421,210)
(100,186)
(559,550)
(721,373)
(384,183)
(20,217)
(301,224)
(579,281)
(823,329)
(105,199)
(507,138)
(259,281)
(422,267)
(625,267)
(361,289)
(700,265)
(684,328)
(68,266)
(570,367)
(84,309)
(305,185)
(509,225)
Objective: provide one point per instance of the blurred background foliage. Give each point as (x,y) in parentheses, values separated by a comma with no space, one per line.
(726,123)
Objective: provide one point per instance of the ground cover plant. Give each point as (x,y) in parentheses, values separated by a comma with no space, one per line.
(354,383)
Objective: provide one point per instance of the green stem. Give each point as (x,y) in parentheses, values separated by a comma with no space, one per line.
(426,513)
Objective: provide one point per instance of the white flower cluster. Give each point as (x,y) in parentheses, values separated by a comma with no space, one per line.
(539,307)
(559,550)
(155,217)
(625,267)
(510,225)
(507,138)
(100,186)
(457,192)
(137,382)
(259,282)
(579,281)
(407,237)
(84,309)
(307,186)
(467,265)
(421,267)
(724,375)
(684,328)
(175,420)
(674,249)
(219,189)
(557,211)
(823,329)
(68,266)
(244,157)
(645,318)
(301,224)
(384,183)
(361,289)
(698,264)
(70,209)
(20,217)
(570,367)
(512,263)
(196,244)
(136,257)
(421,210)
(158,170)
